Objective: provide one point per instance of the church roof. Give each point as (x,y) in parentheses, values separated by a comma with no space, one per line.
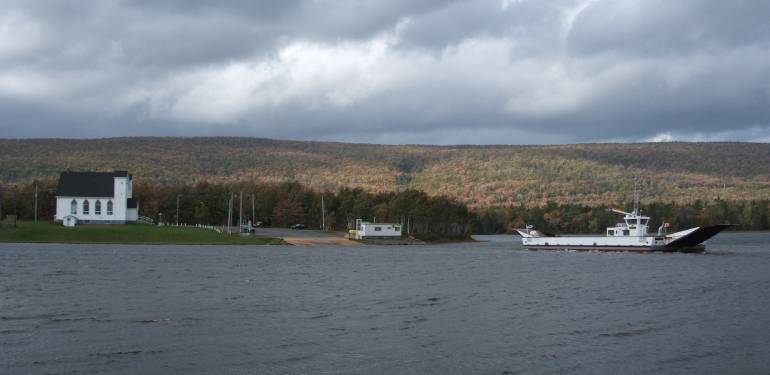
(88,184)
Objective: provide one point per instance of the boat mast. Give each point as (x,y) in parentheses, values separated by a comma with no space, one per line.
(636,198)
(636,202)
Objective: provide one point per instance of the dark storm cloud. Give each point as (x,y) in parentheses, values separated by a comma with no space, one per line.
(659,27)
(505,71)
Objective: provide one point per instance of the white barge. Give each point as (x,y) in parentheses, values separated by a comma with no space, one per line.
(630,235)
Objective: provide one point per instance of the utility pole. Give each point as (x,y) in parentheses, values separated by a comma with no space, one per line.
(177,209)
(240,211)
(323,214)
(1,203)
(15,208)
(35,202)
(229,212)
(253,211)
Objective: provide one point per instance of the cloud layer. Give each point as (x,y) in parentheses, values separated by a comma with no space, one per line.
(511,71)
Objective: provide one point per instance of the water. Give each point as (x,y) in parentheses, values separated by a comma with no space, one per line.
(488,308)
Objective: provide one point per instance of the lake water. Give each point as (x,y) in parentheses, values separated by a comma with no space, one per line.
(482,308)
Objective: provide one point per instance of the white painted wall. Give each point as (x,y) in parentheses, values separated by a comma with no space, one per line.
(372,230)
(122,186)
(132,214)
(63,208)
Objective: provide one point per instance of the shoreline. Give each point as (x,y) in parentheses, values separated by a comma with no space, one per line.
(283,243)
(137,234)
(129,234)
(279,243)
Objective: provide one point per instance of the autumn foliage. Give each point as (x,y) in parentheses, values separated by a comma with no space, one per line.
(479,176)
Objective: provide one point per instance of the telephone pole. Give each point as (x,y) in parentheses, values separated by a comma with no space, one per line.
(229,213)
(177,209)
(253,211)
(1,204)
(35,202)
(323,214)
(15,208)
(240,211)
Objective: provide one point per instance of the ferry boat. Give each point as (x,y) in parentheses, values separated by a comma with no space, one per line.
(630,235)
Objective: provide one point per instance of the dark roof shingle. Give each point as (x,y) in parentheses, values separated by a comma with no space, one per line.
(88,184)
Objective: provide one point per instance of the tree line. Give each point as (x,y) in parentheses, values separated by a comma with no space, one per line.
(569,218)
(274,204)
(423,216)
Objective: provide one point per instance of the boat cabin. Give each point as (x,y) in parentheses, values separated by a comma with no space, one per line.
(366,230)
(633,225)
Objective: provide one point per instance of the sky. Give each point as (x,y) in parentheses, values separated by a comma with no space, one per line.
(388,71)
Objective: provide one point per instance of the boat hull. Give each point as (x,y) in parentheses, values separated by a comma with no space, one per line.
(625,249)
(688,241)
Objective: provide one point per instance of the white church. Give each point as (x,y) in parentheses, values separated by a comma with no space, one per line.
(95,198)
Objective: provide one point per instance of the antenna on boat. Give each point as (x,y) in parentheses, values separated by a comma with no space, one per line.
(636,198)
(636,203)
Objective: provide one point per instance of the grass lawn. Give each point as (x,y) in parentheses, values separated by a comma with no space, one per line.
(126,234)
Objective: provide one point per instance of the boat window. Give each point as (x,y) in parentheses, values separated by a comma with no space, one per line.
(611,232)
(626,232)
(644,221)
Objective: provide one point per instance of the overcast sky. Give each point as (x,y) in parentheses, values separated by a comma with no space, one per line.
(389,71)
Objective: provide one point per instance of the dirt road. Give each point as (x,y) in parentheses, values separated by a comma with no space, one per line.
(307,237)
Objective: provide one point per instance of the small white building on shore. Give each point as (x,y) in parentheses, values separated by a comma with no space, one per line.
(95,198)
(366,230)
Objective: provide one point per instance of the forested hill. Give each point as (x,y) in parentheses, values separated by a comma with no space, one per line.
(591,174)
